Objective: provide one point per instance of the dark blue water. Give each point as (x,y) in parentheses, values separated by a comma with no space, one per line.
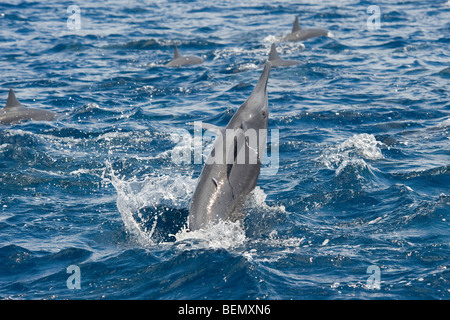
(364,151)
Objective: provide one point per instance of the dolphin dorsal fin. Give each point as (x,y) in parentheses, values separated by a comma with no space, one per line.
(12,101)
(176,53)
(273,55)
(296,26)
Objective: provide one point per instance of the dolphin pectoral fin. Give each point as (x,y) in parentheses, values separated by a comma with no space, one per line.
(210,127)
(244,125)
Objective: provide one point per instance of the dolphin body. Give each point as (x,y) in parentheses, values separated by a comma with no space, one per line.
(15,112)
(179,60)
(298,34)
(276,61)
(223,186)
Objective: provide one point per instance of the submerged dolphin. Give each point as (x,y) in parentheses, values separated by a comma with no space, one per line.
(15,112)
(232,168)
(179,60)
(298,34)
(276,61)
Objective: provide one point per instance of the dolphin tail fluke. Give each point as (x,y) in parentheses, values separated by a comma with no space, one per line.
(296,26)
(12,100)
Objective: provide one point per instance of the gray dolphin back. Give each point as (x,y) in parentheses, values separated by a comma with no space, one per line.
(180,60)
(277,61)
(299,34)
(14,112)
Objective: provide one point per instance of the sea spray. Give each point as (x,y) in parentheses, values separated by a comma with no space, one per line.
(352,151)
(134,195)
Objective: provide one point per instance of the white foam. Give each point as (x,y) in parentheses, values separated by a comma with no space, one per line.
(257,200)
(364,144)
(294,46)
(239,51)
(243,67)
(225,234)
(444,124)
(353,151)
(271,38)
(275,248)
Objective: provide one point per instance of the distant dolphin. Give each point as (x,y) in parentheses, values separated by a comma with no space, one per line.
(15,112)
(179,60)
(298,34)
(276,61)
(232,168)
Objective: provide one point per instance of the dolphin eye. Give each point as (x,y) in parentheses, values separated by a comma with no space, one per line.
(264,114)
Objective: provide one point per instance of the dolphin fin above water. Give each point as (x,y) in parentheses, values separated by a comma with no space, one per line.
(299,34)
(180,60)
(12,101)
(232,169)
(296,27)
(276,61)
(176,53)
(15,112)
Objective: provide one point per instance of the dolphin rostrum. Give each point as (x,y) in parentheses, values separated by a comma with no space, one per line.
(15,112)
(298,34)
(179,60)
(232,168)
(276,61)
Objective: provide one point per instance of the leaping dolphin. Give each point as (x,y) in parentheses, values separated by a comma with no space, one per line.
(15,112)
(298,34)
(179,60)
(232,168)
(276,61)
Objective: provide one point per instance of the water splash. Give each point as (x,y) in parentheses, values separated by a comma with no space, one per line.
(223,235)
(353,151)
(161,193)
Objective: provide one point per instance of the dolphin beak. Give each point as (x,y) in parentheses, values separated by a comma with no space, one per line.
(262,83)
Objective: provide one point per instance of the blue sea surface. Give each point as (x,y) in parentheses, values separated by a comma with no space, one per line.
(358,206)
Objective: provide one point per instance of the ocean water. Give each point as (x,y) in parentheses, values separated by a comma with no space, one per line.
(93,205)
